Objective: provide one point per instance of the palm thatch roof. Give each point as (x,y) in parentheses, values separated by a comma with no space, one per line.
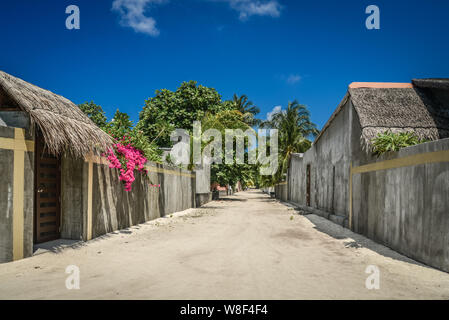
(65,128)
(431,83)
(399,108)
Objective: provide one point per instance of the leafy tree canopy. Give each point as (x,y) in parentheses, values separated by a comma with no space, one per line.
(169,110)
(223,173)
(95,113)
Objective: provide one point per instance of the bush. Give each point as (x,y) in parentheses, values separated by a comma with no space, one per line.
(389,141)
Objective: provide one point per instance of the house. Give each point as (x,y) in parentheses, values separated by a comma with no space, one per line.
(55,184)
(400,199)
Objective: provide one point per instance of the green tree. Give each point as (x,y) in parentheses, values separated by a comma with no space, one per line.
(94,112)
(246,108)
(295,128)
(169,110)
(120,125)
(223,173)
(122,129)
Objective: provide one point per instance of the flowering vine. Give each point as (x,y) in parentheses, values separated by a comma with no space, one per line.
(129,158)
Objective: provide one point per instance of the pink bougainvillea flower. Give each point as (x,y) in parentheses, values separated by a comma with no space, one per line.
(133,159)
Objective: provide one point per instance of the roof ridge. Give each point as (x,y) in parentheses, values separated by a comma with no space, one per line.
(380,85)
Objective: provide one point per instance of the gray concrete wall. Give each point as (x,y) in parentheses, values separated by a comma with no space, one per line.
(6,197)
(202,199)
(329,159)
(203,193)
(6,194)
(281,191)
(203,178)
(112,207)
(16,119)
(406,209)
(73,197)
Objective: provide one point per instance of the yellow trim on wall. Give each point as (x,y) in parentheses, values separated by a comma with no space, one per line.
(19,145)
(168,171)
(90,177)
(104,161)
(18,194)
(417,159)
(407,161)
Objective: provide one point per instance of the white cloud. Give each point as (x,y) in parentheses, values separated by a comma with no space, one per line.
(132,14)
(275,110)
(293,78)
(248,8)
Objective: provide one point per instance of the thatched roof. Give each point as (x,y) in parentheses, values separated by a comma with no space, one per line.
(64,126)
(431,83)
(398,108)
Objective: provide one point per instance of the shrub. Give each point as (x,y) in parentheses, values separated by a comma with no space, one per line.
(389,141)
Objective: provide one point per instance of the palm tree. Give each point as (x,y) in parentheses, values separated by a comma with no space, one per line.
(243,104)
(247,108)
(295,127)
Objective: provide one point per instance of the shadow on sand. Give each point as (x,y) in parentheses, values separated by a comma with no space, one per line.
(357,241)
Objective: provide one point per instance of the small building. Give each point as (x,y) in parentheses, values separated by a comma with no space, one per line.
(395,199)
(55,184)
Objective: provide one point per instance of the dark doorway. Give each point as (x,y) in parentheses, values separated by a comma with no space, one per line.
(308,185)
(47,190)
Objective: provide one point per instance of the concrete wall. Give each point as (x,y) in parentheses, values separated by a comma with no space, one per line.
(112,207)
(329,160)
(281,191)
(7,168)
(203,193)
(73,197)
(202,198)
(14,119)
(406,208)
(6,201)
(203,178)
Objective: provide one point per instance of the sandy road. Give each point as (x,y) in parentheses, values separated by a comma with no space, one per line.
(245,247)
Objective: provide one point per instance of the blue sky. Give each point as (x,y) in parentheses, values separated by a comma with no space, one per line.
(274,51)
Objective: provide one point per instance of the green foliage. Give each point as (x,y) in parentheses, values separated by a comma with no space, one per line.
(223,173)
(389,141)
(295,127)
(169,110)
(120,125)
(245,107)
(121,128)
(94,112)
(226,119)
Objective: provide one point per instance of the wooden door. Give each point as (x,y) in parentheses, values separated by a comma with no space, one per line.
(47,194)
(308,185)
